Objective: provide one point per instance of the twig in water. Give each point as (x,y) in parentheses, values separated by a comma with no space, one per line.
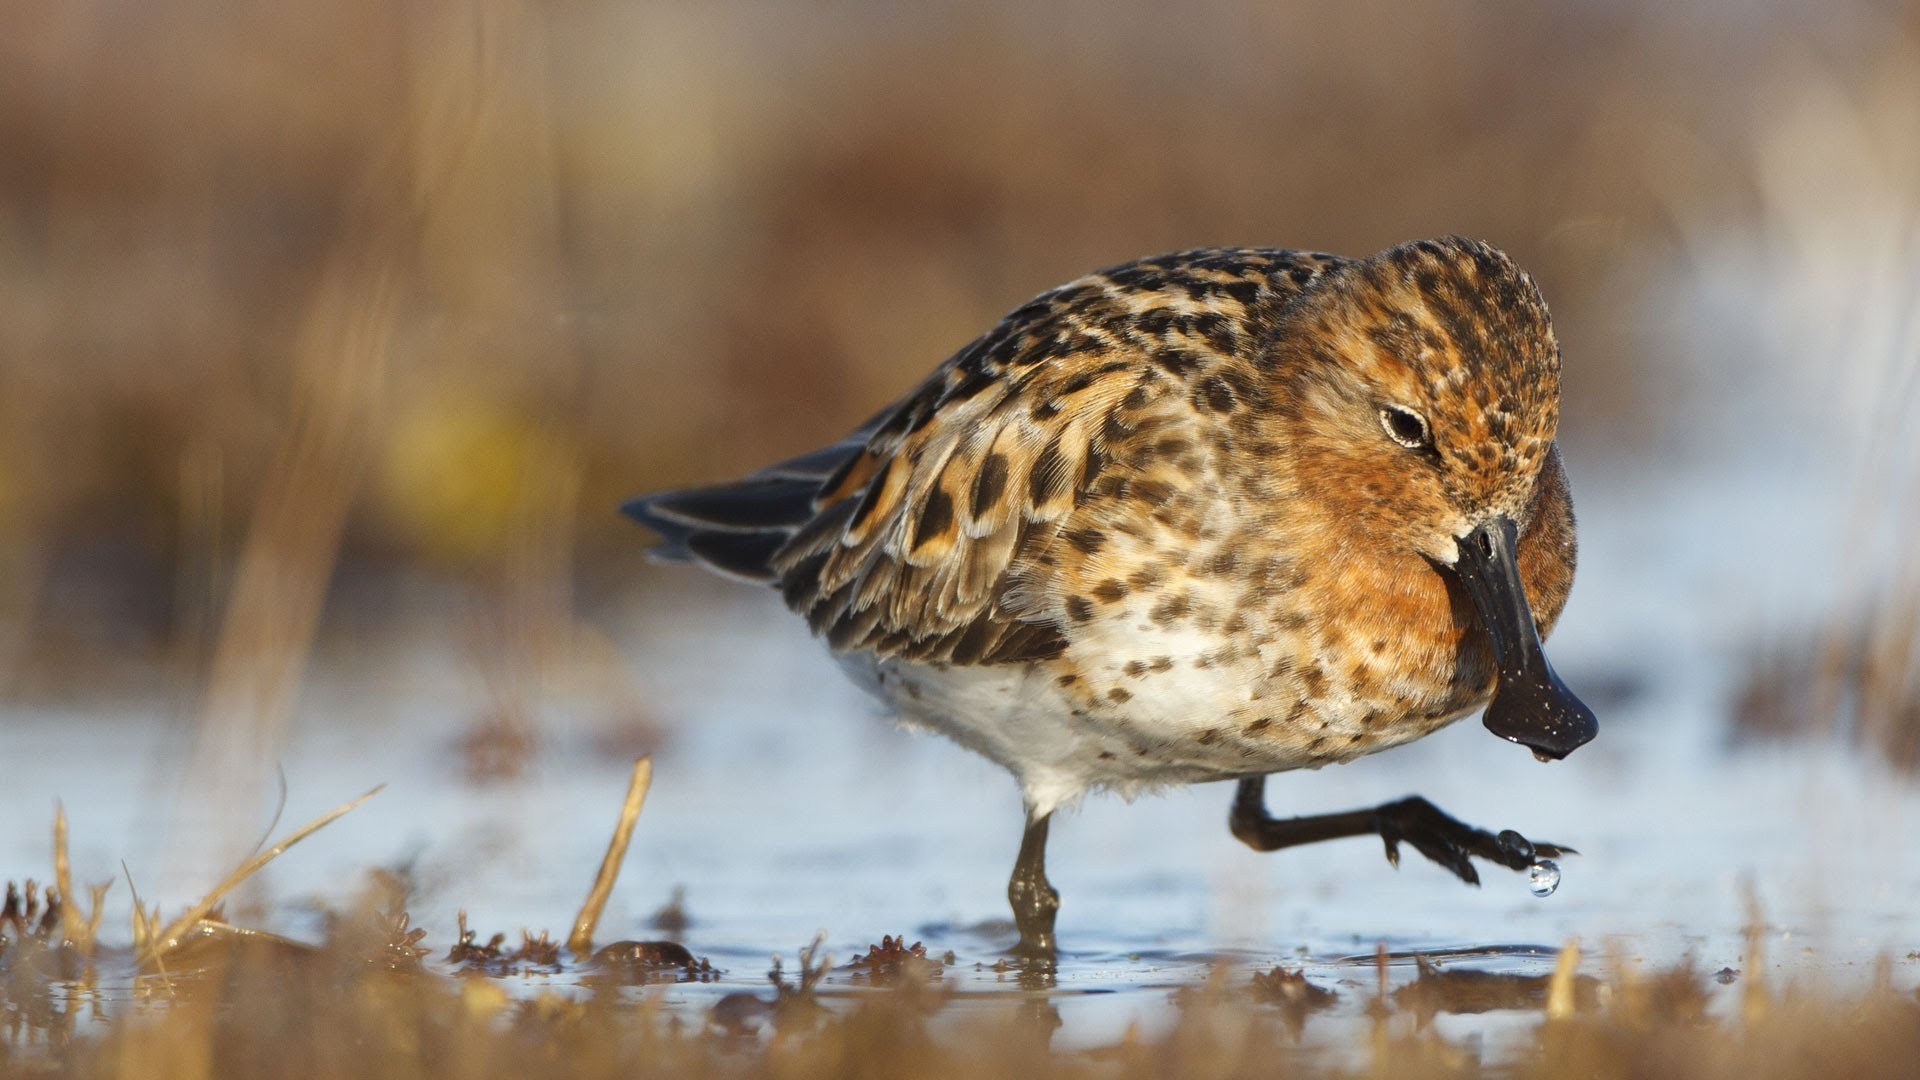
(581,941)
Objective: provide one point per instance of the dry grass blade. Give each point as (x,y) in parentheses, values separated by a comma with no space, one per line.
(143,927)
(581,941)
(1754,1003)
(158,945)
(72,927)
(1561,986)
(97,897)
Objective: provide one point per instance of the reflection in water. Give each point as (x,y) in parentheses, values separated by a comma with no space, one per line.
(1467,990)
(1297,997)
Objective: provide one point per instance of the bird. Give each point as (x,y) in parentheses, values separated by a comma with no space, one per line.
(1205,516)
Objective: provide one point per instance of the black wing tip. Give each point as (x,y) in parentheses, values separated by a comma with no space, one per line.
(640,509)
(740,553)
(645,509)
(755,504)
(743,556)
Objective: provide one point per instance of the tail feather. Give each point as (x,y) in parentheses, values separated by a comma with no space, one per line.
(748,506)
(673,534)
(816,466)
(743,555)
(737,527)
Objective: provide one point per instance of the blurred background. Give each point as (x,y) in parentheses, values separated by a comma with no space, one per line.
(331,335)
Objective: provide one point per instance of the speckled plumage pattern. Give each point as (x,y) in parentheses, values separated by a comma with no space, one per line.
(1149,528)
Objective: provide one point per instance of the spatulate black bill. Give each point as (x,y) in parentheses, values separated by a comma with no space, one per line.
(1531,706)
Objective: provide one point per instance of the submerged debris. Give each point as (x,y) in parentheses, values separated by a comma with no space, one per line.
(1290,990)
(637,962)
(814,966)
(383,940)
(793,1005)
(627,962)
(537,954)
(894,959)
(538,951)
(647,953)
(466,953)
(23,915)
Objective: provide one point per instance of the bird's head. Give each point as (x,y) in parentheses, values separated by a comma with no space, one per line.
(1420,389)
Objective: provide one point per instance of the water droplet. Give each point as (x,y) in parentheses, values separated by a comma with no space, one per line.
(1543,877)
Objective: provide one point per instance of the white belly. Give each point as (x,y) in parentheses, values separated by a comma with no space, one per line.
(1056,747)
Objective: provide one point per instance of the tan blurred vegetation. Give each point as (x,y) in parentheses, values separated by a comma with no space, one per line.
(369,1002)
(207,998)
(432,286)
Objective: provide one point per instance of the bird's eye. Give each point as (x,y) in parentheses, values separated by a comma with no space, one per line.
(1406,427)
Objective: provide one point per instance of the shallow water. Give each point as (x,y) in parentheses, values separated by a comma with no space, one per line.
(783,802)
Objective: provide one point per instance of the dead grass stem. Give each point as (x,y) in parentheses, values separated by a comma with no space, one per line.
(1560,988)
(581,940)
(72,929)
(157,945)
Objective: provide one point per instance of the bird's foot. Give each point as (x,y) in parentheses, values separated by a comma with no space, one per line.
(1453,843)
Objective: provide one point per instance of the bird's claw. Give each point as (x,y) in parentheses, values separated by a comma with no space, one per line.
(1453,844)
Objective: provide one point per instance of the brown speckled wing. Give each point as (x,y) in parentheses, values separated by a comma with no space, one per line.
(980,481)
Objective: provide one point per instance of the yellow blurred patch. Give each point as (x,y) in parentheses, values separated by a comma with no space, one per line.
(462,480)
(482,998)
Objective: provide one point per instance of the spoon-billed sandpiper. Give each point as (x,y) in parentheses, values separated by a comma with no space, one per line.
(1205,516)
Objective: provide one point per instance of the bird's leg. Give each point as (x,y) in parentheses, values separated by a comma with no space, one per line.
(1034,900)
(1430,830)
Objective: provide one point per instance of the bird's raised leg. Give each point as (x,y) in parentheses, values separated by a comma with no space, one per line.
(1034,900)
(1433,833)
